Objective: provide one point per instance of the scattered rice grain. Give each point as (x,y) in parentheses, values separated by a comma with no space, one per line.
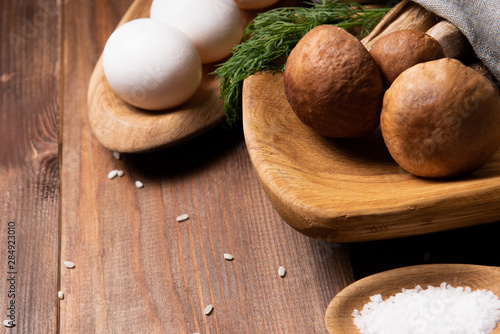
(281,271)
(182,217)
(117,155)
(208,309)
(60,295)
(69,264)
(228,257)
(120,173)
(139,184)
(113,174)
(9,323)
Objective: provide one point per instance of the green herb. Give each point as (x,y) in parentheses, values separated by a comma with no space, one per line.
(271,36)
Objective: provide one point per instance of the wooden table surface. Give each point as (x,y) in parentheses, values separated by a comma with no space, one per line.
(138,270)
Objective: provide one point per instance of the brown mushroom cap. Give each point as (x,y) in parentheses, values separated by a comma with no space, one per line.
(333,85)
(399,50)
(441,119)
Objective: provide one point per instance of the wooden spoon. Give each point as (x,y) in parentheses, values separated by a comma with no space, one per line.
(122,127)
(338,316)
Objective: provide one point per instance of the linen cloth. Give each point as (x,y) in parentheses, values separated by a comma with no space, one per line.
(478,20)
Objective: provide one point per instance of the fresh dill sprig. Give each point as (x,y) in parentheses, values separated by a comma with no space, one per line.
(271,36)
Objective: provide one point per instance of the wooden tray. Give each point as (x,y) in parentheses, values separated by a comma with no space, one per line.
(352,190)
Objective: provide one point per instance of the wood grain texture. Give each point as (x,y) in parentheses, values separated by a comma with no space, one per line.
(352,190)
(29,173)
(338,316)
(137,269)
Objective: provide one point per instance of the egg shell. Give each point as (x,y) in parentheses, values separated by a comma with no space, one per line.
(255,4)
(214,26)
(151,65)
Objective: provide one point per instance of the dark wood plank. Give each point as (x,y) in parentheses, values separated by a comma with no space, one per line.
(138,270)
(29,170)
(86,27)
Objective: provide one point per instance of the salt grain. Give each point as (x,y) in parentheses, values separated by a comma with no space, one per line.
(182,217)
(9,323)
(139,184)
(113,174)
(117,155)
(435,310)
(228,257)
(208,309)
(281,271)
(60,295)
(69,264)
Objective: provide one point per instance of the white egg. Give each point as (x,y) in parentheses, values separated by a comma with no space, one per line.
(255,4)
(151,65)
(214,26)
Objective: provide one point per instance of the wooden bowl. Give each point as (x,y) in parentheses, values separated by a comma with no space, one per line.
(338,315)
(352,190)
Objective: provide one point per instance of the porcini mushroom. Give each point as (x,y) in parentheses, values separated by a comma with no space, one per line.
(399,50)
(441,119)
(333,84)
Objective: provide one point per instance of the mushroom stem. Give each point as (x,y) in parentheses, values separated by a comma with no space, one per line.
(454,43)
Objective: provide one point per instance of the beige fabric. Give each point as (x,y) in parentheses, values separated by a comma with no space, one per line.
(479,21)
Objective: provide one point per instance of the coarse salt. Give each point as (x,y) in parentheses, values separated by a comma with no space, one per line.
(139,184)
(60,295)
(228,257)
(281,271)
(208,309)
(182,217)
(435,310)
(69,264)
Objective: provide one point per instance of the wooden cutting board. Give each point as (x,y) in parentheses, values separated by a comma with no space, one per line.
(352,190)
